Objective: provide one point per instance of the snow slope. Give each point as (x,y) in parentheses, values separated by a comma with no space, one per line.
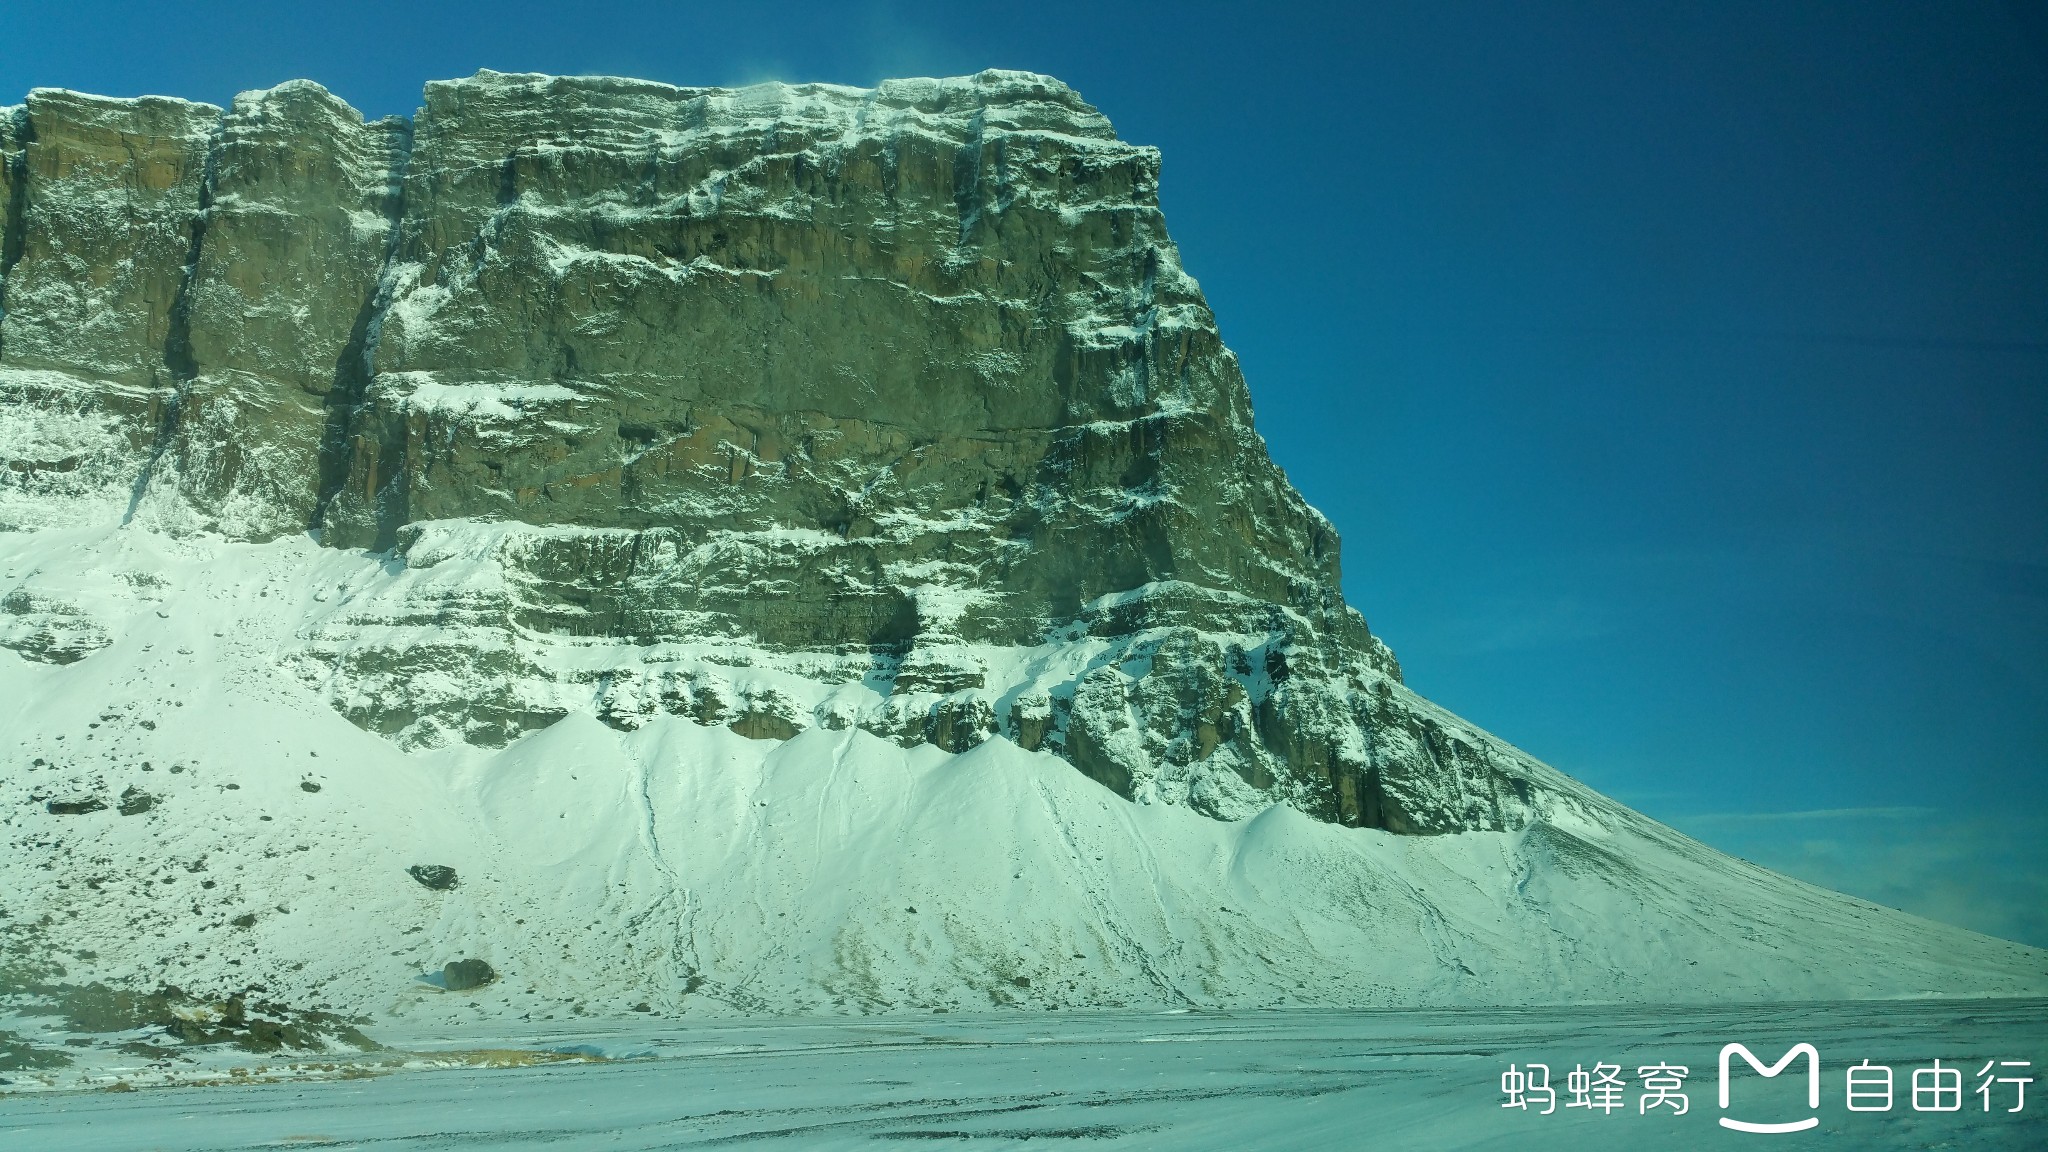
(695,871)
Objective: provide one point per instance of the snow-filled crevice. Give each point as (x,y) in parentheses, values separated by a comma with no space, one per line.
(356,365)
(967,177)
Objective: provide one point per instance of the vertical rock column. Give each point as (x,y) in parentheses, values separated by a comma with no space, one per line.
(103,216)
(13,126)
(300,216)
(110,213)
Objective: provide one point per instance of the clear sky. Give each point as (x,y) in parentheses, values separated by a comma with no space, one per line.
(1677,379)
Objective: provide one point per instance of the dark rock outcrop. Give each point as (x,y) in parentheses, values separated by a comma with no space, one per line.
(771,390)
(463,975)
(439,877)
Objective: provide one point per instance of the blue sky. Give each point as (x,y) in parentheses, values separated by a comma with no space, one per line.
(1677,379)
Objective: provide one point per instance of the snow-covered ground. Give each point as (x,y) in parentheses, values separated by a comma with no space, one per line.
(1427,1079)
(699,873)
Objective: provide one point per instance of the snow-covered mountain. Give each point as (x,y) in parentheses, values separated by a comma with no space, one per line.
(787,548)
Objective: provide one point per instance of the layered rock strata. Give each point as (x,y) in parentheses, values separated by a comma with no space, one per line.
(777,408)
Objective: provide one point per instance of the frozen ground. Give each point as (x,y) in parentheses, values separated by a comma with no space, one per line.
(1184,1081)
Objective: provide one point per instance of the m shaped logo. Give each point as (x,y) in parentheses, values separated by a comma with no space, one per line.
(1812,1086)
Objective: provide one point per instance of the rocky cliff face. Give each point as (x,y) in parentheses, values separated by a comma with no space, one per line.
(776,408)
